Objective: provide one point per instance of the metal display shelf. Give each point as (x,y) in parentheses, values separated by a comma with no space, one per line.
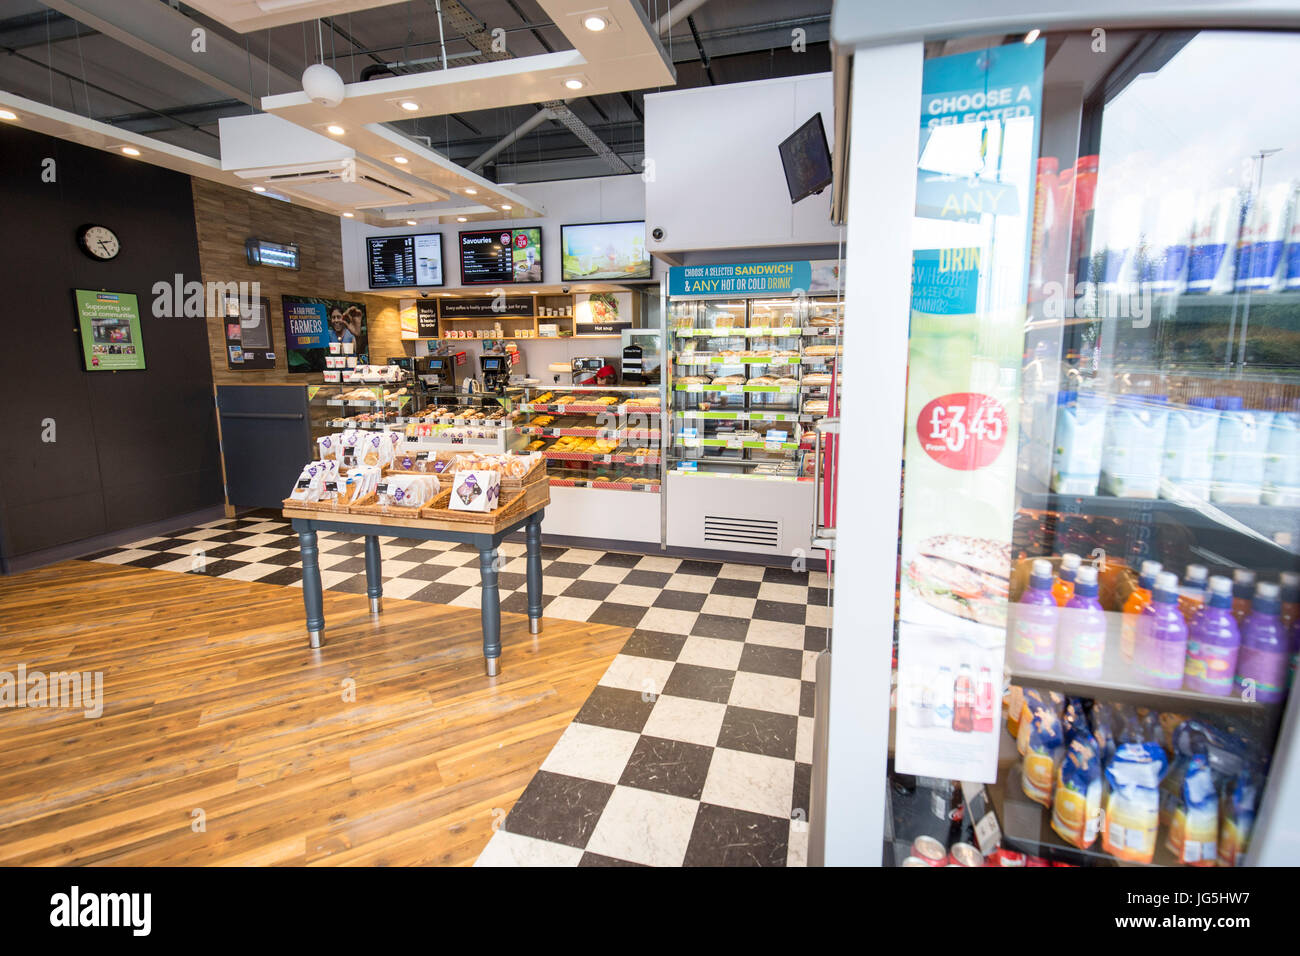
(750,416)
(760,445)
(756,332)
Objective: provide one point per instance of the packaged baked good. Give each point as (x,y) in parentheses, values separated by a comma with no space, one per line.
(816,406)
(817,378)
(475,490)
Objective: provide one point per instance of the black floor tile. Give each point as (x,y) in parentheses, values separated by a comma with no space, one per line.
(646,579)
(153,560)
(680,600)
(726,837)
(591,590)
(283,558)
(814,638)
(517,603)
(428,572)
(595,859)
(558,808)
(807,698)
(215,569)
(616,708)
(654,644)
(350,565)
(511,580)
(563,569)
(668,766)
(776,661)
(802,792)
(614,559)
(721,626)
(759,732)
(618,615)
(708,569)
(733,588)
(785,576)
(217,552)
(439,593)
(700,683)
(284,576)
(353,585)
(780,611)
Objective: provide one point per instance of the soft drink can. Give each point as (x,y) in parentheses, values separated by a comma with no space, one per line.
(966,854)
(1259,252)
(1165,267)
(1215,228)
(1291,271)
(930,850)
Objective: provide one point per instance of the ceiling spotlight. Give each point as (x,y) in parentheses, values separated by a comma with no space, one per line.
(347,215)
(507,207)
(130,151)
(409,105)
(1031,36)
(573,84)
(259,189)
(462,219)
(410,222)
(595,24)
(335,130)
(471,191)
(8,115)
(400,160)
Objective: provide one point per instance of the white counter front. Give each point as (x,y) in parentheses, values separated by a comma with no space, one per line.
(749,515)
(611,516)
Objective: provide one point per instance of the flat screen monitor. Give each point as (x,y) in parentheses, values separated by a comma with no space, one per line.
(807,159)
(605,251)
(401,262)
(501,256)
(281,255)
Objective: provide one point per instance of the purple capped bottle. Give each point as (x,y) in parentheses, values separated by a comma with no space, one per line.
(1265,654)
(1033,621)
(1213,642)
(1162,637)
(1082,644)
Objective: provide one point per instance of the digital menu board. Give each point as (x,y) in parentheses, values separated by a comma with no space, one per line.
(501,256)
(604,250)
(399,262)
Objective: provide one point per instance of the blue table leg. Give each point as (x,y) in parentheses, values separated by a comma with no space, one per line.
(487,562)
(533,534)
(312,599)
(374,580)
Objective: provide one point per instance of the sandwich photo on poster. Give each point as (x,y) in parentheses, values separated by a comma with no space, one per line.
(316,327)
(602,313)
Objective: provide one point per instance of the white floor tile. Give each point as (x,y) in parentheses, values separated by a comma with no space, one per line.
(592,753)
(789,593)
(570,608)
(581,556)
(668,621)
(775,634)
(818,616)
(809,670)
(125,557)
(803,741)
(650,563)
(403,587)
(711,652)
(641,674)
(467,577)
(251,572)
(741,572)
(632,594)
(644,827)
(780,695)
(604,573)
(693,583)
(753,782)
(511,849)
(797,849)
(728,606)
(681,718)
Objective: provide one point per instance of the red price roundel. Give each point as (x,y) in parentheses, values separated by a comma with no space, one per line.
(521,241)
(964,430)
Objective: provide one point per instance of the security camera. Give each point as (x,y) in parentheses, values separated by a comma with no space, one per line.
(564,289)
(657,234)
(423,294)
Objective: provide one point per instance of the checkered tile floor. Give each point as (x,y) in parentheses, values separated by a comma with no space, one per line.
(694,749)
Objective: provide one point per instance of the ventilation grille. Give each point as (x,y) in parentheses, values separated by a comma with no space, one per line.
(755,532)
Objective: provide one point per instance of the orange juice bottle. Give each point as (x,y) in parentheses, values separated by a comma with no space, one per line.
(1243,590)
(1133,607)
(1191,596)
(1063,586)
(1290,583)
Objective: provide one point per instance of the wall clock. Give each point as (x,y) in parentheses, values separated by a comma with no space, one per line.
(99,242)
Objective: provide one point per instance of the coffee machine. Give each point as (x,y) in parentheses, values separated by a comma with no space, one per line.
(437,371)
(583,369)
(495,368)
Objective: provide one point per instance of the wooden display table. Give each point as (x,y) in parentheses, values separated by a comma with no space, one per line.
(484,532)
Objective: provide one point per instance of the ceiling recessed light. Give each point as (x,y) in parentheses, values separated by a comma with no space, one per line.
(506,206)
(130,151)
(471,191)
(1031,36)
(410,222)
(595,24)
(409,105)
(347,215)
(573,84)
(462,219)
(400,160)
(259,189)
(335,130)
(8,115)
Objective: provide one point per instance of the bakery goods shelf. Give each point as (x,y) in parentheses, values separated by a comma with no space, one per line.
(756,332)
(713,358)
(738,389)
(760,445)
(620,433)
(742,416)
(611,485)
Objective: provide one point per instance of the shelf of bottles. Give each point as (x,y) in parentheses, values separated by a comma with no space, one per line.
(607,438)
(749,379)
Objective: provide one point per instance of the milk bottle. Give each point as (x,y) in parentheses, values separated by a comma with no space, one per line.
(1134,446)
(1188,464)
(1239,451)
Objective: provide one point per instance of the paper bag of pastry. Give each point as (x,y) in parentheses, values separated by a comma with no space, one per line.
(478,490)
(309,483)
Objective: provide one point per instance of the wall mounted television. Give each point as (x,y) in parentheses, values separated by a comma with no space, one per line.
(807,159)
(501,256)
(403,262)
(604,251)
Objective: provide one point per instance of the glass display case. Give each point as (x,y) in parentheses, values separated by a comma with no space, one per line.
(379,407)
(749,378)
(1112,516)
(607,437)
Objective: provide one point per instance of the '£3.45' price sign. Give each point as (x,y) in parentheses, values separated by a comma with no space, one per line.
(963,430)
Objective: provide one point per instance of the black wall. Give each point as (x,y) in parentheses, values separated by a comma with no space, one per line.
(132,447)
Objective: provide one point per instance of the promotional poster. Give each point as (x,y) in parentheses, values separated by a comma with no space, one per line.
(980,114)
(250,344)
(312,324)
(109,323)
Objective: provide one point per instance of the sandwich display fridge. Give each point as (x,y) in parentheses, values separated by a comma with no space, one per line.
(1093,652)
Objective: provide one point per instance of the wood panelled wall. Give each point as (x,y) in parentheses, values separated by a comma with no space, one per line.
(224,218)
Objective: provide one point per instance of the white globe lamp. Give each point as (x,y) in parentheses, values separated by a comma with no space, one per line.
(323,85)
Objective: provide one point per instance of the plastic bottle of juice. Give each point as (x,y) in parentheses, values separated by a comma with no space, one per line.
(1191,598)
(1213,641)
(1033,621)
(1082,642)
(1132,609)
(1240,450)
(1063,586)
(963,700)
(1265,654)
(1290,597)
(1243,590)
(1161,655)
(984,702)
(1295,651)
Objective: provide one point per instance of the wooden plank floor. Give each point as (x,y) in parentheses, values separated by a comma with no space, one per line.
(213,702)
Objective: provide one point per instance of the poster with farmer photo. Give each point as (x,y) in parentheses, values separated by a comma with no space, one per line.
(313,325)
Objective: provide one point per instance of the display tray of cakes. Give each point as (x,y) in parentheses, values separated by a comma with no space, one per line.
(382,474)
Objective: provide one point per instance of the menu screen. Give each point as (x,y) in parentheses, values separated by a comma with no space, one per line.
(397,262)
(500,256)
